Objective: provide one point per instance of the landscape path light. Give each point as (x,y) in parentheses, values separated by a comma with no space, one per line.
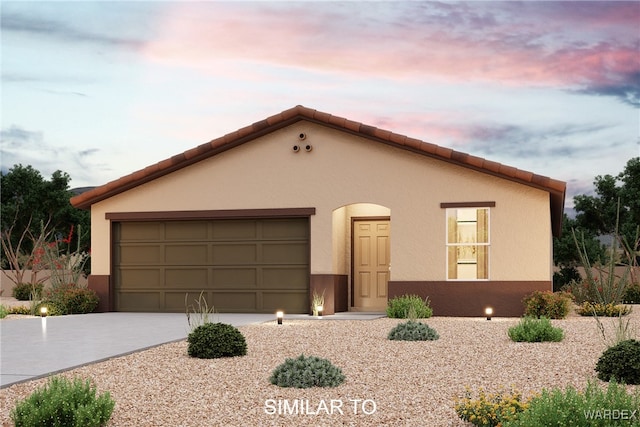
(279,316)
(488,312)
(43,311)
(319,309)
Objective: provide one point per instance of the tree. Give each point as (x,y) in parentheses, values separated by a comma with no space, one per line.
(29,202)
(599,213)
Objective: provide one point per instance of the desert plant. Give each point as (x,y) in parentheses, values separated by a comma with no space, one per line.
(553,305)
(27,291)
(4,311)
(305,372)
(620,362)
(531,329)
(198,313)
(604,286)
(413,331)
(19,309)
(490,409)
(317,300)
(589,408)
(398,307)
(622,330)
(215,340)
(62,402)
(606,310)
(564,276)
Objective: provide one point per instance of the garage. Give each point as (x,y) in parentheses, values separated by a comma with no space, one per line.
(241,265)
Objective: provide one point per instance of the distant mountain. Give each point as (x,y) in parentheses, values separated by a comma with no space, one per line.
(80,190)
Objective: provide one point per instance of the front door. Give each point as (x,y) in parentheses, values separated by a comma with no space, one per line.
(371,251)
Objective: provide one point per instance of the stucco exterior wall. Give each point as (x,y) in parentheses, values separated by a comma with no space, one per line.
(341,170)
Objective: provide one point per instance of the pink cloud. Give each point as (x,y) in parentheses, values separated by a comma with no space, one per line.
(568,45)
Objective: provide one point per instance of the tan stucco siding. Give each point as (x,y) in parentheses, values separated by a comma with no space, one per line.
(341,170)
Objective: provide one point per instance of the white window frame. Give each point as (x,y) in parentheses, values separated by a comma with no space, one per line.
(487,244)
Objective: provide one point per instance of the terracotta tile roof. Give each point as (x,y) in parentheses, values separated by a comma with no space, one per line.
(555,188)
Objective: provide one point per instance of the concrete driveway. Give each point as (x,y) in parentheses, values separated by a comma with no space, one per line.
(35,347)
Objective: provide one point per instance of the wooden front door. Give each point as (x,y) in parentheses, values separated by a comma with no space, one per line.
(371,262)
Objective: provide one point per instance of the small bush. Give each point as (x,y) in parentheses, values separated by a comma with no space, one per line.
(4,311)
(490,409)
(413,331)
(535,330)
(64,403)
(570,407)
(604,310)
(621,363)
(400,307)
(305,372)
(27,291)
(215,340)
(553,305)
(72,299)
(19,309)
(563,277)
(632,294)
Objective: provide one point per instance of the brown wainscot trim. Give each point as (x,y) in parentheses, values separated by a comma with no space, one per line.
(468,205)
(101,283)
(470,298)
(210,214)
(334,287)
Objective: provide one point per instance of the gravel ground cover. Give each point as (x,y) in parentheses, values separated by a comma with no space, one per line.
(388,383)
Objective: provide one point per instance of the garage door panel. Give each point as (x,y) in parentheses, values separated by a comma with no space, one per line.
(234,254)
(234,230)
(139,278)
(140,254)
(285,253)
(236,301)
(186,230)
(138,301)
(195,278)
(233,278)
(195,254)
(176,302)
(285,229)
(148,231)
(285,278)
(292,302)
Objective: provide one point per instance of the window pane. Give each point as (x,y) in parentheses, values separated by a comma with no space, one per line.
(467,240)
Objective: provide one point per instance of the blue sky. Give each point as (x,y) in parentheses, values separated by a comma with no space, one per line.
(102,89)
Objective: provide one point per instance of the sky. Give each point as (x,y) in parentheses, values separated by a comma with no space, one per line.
(102,89)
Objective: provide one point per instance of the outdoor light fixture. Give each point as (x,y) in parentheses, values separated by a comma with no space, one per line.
(488,312)
(43,311)
(279,316)
(319,309)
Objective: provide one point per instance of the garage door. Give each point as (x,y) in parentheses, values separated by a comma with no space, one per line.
(242,265)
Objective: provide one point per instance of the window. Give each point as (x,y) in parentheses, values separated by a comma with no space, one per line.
(468,244)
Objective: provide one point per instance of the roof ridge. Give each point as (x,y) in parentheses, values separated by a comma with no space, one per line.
(555,187)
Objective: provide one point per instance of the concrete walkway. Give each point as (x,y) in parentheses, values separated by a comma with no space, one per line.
(35,347)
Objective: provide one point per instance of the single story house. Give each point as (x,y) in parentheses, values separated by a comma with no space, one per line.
(305,202)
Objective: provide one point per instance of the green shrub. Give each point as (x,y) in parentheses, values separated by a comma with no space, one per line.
(593,407)
(25,291)
(604,310)
(553,305)
(632,294)
(535,330)
(400,307)
(621,363)
(413,331)
(305,372)
(64,403)
(214,340)
(72,299)
(490,409)
(4,311)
